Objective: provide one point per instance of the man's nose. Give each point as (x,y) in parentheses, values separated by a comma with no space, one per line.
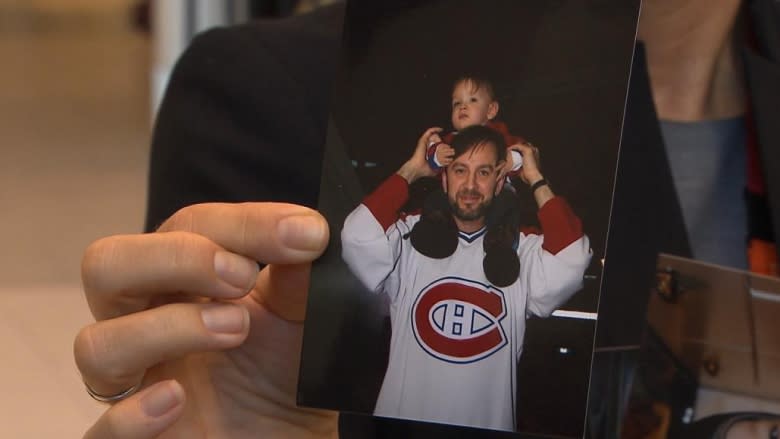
(471,181)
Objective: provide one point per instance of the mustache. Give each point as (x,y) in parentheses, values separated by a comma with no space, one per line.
(469,193)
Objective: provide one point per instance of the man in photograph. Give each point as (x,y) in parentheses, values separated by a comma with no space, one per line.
(456,337)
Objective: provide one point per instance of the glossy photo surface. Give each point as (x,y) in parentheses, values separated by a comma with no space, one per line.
(413,313)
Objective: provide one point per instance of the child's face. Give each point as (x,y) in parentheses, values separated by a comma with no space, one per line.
(471,106)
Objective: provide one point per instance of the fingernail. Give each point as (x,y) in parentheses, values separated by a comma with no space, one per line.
(225,318)
(161,399)
(236,270)
(302,232)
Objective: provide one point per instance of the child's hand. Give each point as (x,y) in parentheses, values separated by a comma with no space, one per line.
(434,139)
(444,154)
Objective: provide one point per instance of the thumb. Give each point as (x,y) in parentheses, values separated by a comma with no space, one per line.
(283,290)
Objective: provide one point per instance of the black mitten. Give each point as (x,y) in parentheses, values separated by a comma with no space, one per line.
(501,265)
(502,221)
(436,234)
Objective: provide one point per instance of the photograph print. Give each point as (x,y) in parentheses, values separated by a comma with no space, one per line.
(467,181)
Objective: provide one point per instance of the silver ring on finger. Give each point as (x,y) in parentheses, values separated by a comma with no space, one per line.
(111,398)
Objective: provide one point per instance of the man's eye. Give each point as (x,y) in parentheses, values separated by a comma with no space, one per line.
(484,173)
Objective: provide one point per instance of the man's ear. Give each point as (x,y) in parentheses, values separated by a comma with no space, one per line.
(492,110)
(444,180)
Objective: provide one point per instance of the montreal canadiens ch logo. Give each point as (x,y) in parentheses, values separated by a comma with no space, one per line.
(458,320)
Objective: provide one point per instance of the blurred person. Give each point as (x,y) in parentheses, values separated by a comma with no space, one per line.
(711,186)
(212,344)
(754,425)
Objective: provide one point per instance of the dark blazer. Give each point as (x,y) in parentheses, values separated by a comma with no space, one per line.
(244,119)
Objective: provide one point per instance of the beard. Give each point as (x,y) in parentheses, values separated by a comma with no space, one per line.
(475,212)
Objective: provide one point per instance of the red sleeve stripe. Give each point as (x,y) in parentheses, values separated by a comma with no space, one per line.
(559,225)
(385,202)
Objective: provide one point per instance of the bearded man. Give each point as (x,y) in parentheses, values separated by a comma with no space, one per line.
(457,336)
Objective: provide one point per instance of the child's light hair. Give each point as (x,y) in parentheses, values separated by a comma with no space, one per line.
(478,84)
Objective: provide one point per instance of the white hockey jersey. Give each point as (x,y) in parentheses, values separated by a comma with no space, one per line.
(455,338)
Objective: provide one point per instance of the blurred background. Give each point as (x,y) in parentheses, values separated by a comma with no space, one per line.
(79,80)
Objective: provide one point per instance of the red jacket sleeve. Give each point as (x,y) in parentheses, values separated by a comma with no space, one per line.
(560,225)
(387,199)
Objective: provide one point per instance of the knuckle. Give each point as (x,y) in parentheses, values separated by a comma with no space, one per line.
(246,221)
(96,259)
(172,318)
(94,351)
(83,350)
(184,250)
(183,219)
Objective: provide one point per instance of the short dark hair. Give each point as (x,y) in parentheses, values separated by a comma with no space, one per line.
(479,83)
(478,135)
